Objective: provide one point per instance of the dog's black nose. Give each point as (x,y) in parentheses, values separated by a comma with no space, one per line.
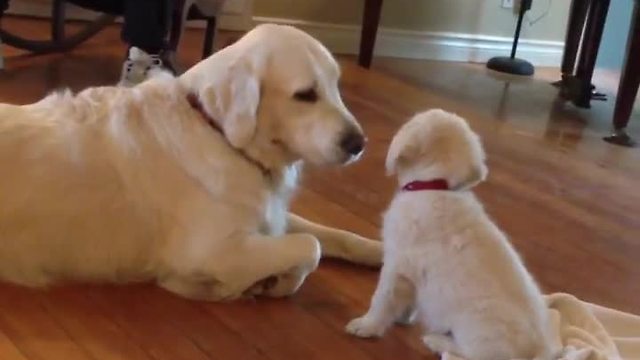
(352,143)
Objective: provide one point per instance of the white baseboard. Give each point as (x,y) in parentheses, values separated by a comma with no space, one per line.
(345,39)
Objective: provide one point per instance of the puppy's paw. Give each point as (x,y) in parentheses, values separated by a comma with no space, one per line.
(364,327)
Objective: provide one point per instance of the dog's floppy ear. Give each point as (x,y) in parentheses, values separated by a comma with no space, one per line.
(233,102)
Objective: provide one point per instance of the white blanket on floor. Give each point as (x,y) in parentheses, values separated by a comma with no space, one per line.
(590,332)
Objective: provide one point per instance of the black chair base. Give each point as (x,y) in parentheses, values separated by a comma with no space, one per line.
(60,41)
(509,65)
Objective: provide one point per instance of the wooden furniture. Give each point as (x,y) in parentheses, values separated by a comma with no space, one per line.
(584,33)
(370,22)
(192,13)
(1,56)
(629,82)
(61,41)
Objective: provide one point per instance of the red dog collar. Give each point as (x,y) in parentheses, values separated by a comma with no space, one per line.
(419,185)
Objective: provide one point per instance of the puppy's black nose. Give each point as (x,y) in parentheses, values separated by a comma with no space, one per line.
(352,143)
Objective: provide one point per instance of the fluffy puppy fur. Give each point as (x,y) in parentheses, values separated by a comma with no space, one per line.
(444,257)
(128,184)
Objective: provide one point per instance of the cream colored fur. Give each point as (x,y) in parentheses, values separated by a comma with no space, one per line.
(445,257)
(119,184)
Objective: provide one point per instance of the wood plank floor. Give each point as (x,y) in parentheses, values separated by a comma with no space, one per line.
(569,201)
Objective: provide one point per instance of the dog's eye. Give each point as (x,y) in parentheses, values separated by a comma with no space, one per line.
(308,95)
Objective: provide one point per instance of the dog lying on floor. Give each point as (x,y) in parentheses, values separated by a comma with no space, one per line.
(444,257)
(185,181)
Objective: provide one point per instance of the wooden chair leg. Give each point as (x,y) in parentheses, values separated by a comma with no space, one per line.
(589,54)
(370,21)
(575,25)
(177,24)
(629,83)
(1,55)
(67,43)
(209,36)
(58,20)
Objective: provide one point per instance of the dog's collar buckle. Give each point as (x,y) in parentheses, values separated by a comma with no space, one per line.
(421,185)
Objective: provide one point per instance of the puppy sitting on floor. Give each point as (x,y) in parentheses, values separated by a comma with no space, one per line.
(445,258)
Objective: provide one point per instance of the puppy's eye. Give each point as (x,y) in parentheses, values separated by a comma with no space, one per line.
(308,95)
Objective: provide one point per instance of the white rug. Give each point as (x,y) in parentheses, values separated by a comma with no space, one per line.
(590,332)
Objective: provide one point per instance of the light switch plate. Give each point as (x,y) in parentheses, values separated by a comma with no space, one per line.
(508,4)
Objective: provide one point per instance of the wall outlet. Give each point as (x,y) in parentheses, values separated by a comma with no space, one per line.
(508,4)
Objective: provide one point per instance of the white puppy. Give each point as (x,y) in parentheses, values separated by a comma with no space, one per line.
(185,181)
(444,257)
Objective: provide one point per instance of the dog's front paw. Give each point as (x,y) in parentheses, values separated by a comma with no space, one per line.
(286,284)
(364,327)
(260,287)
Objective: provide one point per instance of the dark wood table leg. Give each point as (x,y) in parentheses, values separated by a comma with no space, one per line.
(577,17)
(58,20)
(209,35)
(573,87)
(370,21)
(178,17)
(629,83)
(589,53)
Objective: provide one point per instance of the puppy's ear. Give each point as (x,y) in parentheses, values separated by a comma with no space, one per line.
(477,175)
(233,102)
(400,152)
(478,169)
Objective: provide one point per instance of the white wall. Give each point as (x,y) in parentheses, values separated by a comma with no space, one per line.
(459,30)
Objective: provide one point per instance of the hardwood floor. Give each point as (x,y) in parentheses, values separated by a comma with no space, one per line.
(569,201)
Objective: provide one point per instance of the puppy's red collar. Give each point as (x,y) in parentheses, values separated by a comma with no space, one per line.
(420,185)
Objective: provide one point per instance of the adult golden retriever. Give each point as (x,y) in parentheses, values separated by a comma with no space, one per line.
(185,181)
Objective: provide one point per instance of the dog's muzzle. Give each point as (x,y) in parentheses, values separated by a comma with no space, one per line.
(352,143)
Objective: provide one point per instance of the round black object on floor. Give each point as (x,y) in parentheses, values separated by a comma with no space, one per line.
(510,65)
